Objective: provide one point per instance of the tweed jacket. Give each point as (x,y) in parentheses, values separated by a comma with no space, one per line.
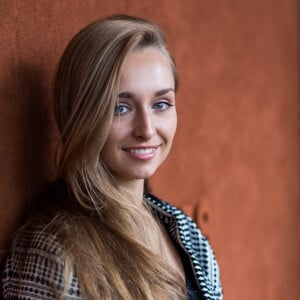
(34,267)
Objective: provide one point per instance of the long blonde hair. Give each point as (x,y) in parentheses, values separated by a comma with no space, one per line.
(109,241)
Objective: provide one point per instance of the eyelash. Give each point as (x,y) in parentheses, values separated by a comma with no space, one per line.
(117,107)
(117,111)
(168,105)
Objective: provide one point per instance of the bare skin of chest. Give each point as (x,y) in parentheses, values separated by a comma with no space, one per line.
(171,253)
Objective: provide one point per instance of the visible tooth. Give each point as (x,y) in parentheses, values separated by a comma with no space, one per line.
(141,151)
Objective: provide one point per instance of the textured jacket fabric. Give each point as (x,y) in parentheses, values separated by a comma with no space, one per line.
(34,267)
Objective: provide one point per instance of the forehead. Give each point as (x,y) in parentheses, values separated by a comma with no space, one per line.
(145,69)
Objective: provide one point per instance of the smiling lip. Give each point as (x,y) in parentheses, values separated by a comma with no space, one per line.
(142,153)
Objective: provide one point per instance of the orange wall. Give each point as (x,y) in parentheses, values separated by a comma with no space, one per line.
(235,165)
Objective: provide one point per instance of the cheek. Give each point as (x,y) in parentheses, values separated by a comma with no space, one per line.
(116,133)
(170,128)
(110,144)
(173,124)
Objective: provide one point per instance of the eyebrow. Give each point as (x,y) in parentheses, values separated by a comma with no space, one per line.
(159,93)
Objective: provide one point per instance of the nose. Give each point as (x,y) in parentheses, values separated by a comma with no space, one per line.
(144,126)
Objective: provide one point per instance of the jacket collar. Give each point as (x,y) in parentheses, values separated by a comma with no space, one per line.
(185,232)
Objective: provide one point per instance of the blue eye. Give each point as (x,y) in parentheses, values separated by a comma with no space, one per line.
(121,110)
(162,105)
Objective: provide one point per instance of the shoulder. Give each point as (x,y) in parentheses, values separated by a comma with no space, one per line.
(37,239)
(190,234)
(34,266)
(182,227)
(168,213)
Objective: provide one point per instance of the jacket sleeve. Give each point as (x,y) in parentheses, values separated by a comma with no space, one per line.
(34,268)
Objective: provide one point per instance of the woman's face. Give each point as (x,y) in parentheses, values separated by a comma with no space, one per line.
(145,117)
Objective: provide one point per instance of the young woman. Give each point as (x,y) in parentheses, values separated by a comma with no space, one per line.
(96,233)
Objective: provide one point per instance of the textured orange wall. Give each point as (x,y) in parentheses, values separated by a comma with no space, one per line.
(235,165)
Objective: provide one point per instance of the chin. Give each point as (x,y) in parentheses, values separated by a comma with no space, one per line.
(144,174)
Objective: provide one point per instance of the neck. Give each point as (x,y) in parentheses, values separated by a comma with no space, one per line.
(134,187)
